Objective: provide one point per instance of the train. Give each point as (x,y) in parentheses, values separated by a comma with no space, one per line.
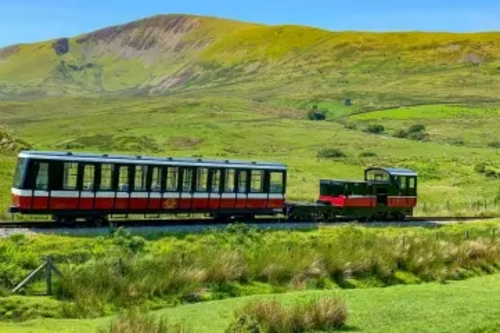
(71,187)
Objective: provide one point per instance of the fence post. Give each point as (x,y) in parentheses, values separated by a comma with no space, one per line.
(48,275)
(466,234)
(49,267)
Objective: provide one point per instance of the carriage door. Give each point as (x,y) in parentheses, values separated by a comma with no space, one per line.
(40,194)
(242,189)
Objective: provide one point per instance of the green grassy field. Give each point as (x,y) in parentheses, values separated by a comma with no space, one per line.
(243,129)
(466,306)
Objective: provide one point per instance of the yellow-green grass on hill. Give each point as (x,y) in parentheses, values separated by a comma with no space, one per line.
(167,53)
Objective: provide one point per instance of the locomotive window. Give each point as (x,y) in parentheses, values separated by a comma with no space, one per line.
(88,177)
(187,180)
(215,181)
(18,176)
(229,181)
(106,177)
(42,176)
(257,181)
(156,179)
(202,180)
(402,183)
(242,181)
(140,178)
(276,182)
(380,176)
(172,179)
(123,180)
(70,176)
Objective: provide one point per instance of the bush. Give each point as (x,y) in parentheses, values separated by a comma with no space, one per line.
(415,132)
(488,170)
(416,128)
(375,129)
(330,153)
(350,126)
(316,114)
(322,314)
(418,136)
(367,154)
(133,321)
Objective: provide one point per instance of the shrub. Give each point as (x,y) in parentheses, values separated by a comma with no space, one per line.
(418,136)
(323,314)
(415,132)
(375,129)
(316,114)
(330,153)
(133,321)
(416,128)
(350,126)
(367,154)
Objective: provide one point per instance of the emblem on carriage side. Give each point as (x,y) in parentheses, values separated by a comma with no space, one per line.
(170,203)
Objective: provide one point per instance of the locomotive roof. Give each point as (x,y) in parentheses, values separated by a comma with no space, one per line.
(394,171)
(69,156)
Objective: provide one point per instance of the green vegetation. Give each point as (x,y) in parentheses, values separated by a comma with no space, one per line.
(236,128)
(105,274)
(321,314)
(466,306)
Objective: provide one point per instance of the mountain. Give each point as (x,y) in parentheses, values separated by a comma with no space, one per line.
(190,54)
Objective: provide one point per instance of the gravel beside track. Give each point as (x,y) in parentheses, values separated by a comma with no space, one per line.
(144,228)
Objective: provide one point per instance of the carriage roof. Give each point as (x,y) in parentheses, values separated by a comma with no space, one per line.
(131,159)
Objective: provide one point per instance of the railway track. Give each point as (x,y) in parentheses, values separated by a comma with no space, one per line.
(207,222)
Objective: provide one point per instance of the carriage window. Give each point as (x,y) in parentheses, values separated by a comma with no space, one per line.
(140,178)
(276,182)
(156,179)
(216,181)
(229,181)
(187,180)
(123,181)
(242,181)
(88,177)
(42,176)
(202,180)
(411,183)
(172,178)
(257,182)
(106,177)
(18,176)
(70,175)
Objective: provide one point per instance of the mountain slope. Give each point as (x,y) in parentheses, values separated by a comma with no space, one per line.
(170,53)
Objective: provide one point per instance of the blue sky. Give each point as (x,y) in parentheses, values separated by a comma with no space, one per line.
(35,20)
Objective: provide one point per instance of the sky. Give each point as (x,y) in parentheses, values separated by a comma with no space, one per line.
(23,21)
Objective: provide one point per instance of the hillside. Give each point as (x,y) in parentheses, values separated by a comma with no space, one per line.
(183,54)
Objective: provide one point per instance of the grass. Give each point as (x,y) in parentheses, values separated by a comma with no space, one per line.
(105,274)
(206,56)
(469,306)
(238,128)
(321,314)
(467,125)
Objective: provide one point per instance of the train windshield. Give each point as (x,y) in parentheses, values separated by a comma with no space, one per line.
(19,173)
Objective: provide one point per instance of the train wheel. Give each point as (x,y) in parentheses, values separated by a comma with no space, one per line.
(65,221)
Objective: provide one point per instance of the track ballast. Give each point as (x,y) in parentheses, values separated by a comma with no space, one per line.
(47,225)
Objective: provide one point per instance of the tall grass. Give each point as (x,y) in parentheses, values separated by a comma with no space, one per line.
(223,264)
(270,316)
